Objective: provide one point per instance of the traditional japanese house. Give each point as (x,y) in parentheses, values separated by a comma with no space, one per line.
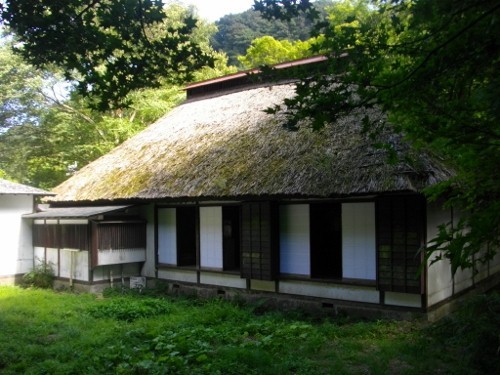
(236,204)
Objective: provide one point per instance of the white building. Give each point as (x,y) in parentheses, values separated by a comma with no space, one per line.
(16,249)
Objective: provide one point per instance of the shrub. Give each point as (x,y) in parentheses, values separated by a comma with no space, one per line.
(42,276)
(475,331)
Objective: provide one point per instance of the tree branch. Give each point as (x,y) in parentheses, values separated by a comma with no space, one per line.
(441,46)
(91,5)
(66,107)
(143,27)
(69,109)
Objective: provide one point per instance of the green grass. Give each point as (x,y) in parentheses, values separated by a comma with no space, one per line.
(45,332)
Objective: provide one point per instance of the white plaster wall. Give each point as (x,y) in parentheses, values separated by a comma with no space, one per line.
(439,279)
(463,279)
(178,275)
(65,264)
(358,241)
(16,249)
(222,279)
(489,268)
(403,299)
(39,253)
(263,285)
(211,237)
(103,273)
(80,265)
(295,246)
(148,268)
(69,221)
(440,282)
(494,265)
(482,270)
(120,256)
(52,258)
(324,290)
(167,236)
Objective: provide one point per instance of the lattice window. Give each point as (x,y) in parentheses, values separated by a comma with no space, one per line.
(259,241)
(46,235)
(75,236)
(121,235)
(400,235)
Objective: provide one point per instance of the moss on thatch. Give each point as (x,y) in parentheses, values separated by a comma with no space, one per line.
(227,147)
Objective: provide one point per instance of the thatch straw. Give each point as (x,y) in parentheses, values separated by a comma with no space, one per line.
(227,147)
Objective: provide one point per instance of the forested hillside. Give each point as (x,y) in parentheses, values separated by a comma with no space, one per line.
(237,31)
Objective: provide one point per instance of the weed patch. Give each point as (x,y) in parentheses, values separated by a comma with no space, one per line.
(473,333)
(42,276)
(132,333)
(128,309)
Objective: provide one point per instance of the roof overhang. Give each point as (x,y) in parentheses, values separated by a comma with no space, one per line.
(75,212)
(13,188)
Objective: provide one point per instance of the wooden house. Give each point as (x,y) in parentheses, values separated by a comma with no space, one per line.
(236,204)
(16,252)
(90,246)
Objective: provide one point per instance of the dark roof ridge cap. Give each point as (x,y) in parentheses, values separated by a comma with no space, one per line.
(283,65)
(239,88)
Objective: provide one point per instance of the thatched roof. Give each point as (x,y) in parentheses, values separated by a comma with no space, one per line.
(227,147)
(9,187)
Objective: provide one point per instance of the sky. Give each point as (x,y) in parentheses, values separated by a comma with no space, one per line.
(212,10)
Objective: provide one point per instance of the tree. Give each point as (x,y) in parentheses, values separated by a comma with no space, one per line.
(285,9)
(46,137)
(432,66)
(269,51)
(237,31)
(25,95)
(22,89)
(67,135)
(110,47)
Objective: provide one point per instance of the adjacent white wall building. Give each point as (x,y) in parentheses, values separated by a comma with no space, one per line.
(16,249)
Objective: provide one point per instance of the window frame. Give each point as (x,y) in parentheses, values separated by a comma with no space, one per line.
(398,256)
(187,236)
(325,264)
(230,211)
(332,278)
(231,245)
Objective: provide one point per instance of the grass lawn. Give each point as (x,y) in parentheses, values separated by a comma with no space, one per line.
(46,332)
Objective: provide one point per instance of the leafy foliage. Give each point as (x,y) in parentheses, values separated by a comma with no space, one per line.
(433,68)
(69,135)
(286,9)
(269,51)
(48,135)
(476,329)
(22,96)
(237,31)
(42,276)
(48,332)
(110,47)
(128,309)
